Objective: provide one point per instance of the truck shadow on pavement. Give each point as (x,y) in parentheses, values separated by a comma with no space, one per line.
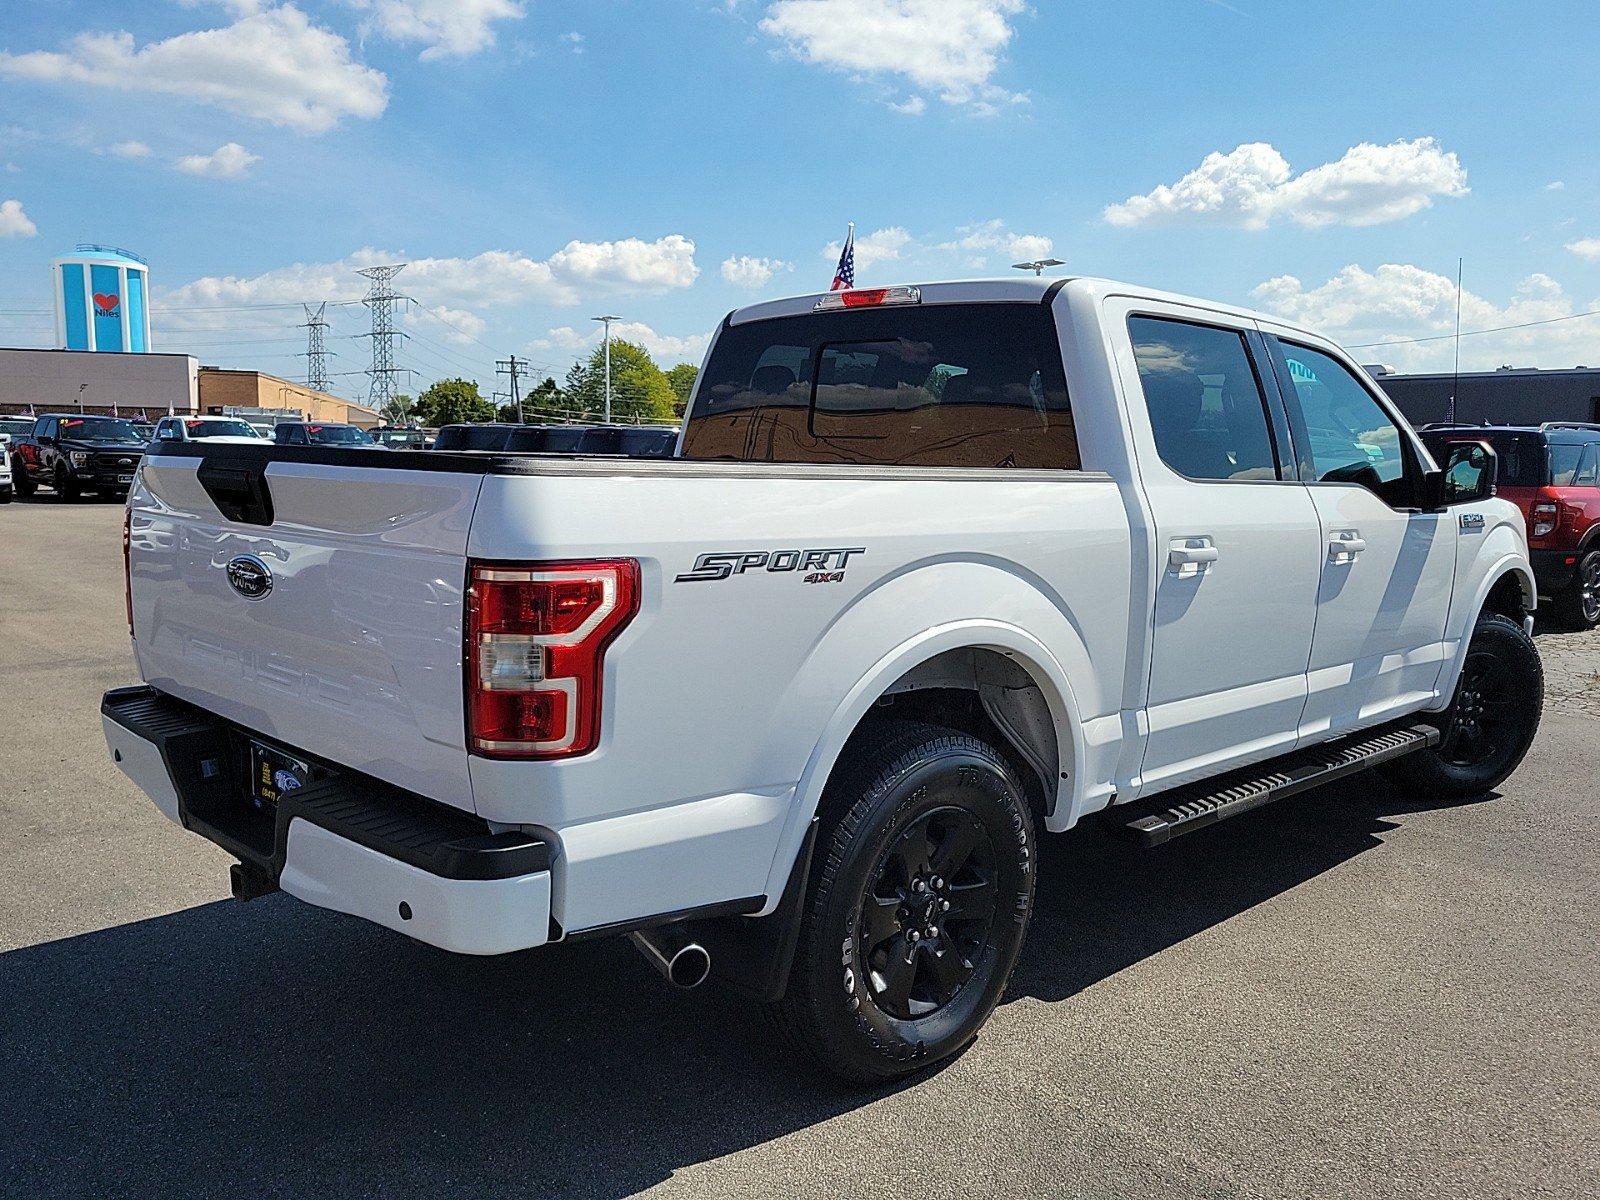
(271,1048)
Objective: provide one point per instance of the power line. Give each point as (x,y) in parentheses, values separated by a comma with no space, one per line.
(1442,337)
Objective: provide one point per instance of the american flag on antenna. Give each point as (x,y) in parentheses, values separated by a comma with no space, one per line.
(845,276)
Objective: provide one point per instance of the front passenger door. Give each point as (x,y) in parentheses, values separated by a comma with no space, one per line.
(1387,568)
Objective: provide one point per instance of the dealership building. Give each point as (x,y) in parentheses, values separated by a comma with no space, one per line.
(1509,396)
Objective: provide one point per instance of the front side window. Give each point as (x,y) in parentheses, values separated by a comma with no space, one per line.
(1347,435)
(957,385)
(1206,408)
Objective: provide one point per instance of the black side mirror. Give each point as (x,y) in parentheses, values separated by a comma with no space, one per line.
(1467,477)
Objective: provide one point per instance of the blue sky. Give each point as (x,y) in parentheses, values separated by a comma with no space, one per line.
(543,161)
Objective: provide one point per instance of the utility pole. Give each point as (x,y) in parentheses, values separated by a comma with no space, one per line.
(606,321)
(316,325)
(381,298)
(509,366)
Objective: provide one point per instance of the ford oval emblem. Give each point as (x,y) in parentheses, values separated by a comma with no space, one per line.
(249,576)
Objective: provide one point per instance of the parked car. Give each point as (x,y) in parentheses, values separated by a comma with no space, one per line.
(938,567)
(322,433)
(1552,473)
(6,486)
(75,454)
(401,439)
(145,429)
(16,427)
(203,429)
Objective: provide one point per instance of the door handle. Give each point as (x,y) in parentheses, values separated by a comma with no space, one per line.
(1191,552)
(1342,546)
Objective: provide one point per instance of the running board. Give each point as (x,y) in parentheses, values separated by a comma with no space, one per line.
(1197,805)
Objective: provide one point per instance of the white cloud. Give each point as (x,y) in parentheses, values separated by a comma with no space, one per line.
(494,278)
(225,162)
(879,246)
(912,106)
(574,41)
(981,242)
(1253,185)
(14,222)
(460,325)
(272,65)
(1400,301)
(130,149)
(1555,185)
(665,348)
(1588,248)
(950,48)
(753,273)
(445,28)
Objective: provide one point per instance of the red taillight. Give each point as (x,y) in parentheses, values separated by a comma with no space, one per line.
(1543,518)
(868,298)
(127,566)
(536,640)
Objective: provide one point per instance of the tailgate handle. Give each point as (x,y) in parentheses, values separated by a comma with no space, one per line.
(240,493)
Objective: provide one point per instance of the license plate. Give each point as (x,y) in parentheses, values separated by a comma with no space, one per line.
(272,773)
(124,478)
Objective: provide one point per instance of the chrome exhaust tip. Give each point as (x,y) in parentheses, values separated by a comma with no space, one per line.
(682,963)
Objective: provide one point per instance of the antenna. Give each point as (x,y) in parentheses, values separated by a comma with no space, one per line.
(1455,382)
(380,299)
(316,325)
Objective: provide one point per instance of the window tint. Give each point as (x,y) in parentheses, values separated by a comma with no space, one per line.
(1205,402)
(1349,438)
(1589,470)
(1564,460)
(936,386)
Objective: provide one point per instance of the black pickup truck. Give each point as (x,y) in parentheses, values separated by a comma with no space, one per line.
(76,454)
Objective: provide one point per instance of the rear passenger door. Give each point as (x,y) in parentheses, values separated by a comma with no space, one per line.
(1237,543)
(1387,567)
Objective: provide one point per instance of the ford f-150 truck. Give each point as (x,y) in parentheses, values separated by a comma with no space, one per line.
(74,454)
(934,568)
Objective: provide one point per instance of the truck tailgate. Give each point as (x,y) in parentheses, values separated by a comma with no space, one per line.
(353,653)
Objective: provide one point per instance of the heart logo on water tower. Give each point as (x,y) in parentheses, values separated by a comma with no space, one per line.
(105,303)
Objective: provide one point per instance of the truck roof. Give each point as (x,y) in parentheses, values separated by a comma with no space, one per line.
(1012,289)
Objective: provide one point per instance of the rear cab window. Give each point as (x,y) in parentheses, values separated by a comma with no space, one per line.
(953,385)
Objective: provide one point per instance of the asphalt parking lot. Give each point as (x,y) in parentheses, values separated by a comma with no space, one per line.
(1351,993)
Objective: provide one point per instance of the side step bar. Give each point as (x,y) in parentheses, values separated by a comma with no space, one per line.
(1197,805)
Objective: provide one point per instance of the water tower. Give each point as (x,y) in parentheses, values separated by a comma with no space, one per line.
(102,299)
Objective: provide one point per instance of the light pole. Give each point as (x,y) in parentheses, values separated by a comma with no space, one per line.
(606,321)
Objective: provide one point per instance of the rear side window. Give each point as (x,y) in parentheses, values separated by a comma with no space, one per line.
(1564,464)
(972,385)
(1204,397)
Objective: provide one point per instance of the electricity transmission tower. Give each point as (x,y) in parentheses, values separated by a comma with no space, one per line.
(316,325)
(380,299)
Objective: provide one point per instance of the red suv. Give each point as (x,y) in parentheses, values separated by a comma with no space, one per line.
(1552,473)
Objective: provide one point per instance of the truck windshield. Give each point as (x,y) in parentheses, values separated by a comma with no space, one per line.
(945,385)
(205,429)
(99,429)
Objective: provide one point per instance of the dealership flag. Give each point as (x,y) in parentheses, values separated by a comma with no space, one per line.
(845,276)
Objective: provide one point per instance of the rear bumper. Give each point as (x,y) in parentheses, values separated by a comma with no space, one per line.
(1552,569)
(343,842)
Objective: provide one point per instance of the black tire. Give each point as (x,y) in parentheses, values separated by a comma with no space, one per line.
(23,481)
(66,486)
(1577,606)
(908,799)
(5,496)
(1491,719)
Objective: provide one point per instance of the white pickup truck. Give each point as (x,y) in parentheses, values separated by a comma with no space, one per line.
(933,568)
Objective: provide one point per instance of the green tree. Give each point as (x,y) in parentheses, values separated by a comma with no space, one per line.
(545,400)
(640,390)
(682,378)
(453,401)
(398,411)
